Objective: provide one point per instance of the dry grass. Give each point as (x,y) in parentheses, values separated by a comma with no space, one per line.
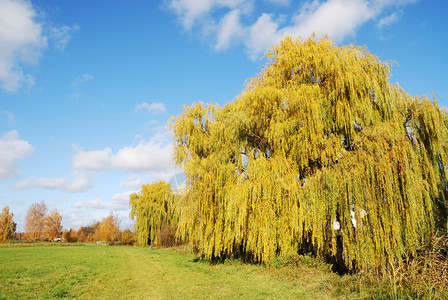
(423,274)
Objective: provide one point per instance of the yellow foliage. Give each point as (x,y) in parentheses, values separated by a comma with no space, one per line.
(319,154)
(34,221)
(7,225)
(107,229)
(153,207)
(52,225)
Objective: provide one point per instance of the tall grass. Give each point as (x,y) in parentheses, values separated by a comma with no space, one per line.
(423,275)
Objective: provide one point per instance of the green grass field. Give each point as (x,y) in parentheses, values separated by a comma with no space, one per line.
(105,272)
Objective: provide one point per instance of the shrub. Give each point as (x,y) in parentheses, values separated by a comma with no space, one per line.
(70,236)
(167,237)
(127,237)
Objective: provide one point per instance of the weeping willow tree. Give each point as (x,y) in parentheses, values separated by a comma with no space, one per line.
(153,208)
(321,154)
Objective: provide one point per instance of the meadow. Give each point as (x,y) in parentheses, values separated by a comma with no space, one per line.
(33,271)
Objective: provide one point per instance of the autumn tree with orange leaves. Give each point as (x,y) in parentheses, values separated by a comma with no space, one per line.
(7,225)
(34,221)
(40,226)
(52,225)
(108,228)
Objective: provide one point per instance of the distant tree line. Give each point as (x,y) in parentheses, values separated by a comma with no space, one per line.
(41,225)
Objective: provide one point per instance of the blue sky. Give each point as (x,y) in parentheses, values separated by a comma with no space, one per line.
(87,87)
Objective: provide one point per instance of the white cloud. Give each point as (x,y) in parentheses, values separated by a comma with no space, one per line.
(154,108)
(336,18)
(11,150)
(9,115)
(388,20)
(189,10)
(61,36)
(92,204)
(150,125)
(230,30)
(234,22)
(119,202)
(81,79)
(153,157)
(22,41)
(78,183)
(147,156)
(122,198)
(133,181)
(93,160)
(75,219)
(193,11)
(262,34)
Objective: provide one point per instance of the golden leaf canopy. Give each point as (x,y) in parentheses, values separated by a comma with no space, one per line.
(319,154)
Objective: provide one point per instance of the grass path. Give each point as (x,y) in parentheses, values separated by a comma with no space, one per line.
(103,272)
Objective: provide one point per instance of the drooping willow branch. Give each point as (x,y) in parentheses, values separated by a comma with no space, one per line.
(319,148)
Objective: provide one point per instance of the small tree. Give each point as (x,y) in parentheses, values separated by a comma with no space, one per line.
(7,225)
(108,228)
(127,237)
(70,236)
(35,221)
(153,208)
(52,225)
